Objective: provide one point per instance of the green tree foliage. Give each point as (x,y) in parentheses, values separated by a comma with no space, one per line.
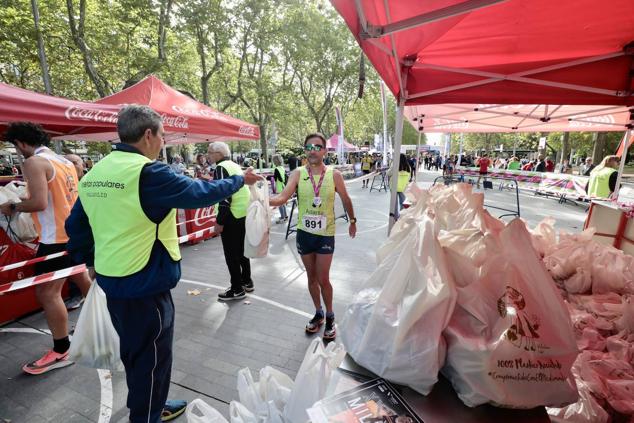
(284,64)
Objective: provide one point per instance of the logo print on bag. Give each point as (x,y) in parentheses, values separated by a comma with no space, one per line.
(524,330)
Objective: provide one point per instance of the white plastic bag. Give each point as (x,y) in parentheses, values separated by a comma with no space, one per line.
(312,379)
(394,323)
(238,413)
(266,398)
(586,410)
(198,411)
(258,222)
(510,340)
(95,342)
(19,227)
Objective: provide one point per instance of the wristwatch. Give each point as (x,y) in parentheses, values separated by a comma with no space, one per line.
(353,220)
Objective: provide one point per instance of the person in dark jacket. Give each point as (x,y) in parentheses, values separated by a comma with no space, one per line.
(125,223)
(230,224)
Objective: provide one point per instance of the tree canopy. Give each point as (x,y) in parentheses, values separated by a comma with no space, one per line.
(284,65)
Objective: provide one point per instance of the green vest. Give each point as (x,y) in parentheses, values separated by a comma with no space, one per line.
(239,200)
(403,180)
(514,165)
(599,185)
(123,234)
(318,220)
(279,186)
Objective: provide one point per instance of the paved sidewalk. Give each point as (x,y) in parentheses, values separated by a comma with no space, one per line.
(214,340)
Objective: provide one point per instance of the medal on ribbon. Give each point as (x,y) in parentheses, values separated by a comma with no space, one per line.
(316,187)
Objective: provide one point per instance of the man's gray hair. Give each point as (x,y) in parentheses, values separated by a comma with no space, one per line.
(134,120)
(219,147)
(277,160)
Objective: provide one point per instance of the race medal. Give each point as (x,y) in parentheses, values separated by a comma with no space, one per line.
(317,202)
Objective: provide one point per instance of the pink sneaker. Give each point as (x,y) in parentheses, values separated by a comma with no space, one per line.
(50,361)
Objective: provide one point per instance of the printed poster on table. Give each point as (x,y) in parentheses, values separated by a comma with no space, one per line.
(371,402)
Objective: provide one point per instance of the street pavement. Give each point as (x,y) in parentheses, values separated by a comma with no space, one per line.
(213,340)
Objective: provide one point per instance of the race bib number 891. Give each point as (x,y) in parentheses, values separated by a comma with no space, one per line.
(314,223)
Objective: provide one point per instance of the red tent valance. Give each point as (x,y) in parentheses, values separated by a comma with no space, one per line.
(57,115)
(185,120)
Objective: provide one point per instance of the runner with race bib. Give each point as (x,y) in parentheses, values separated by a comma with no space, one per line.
(316,185)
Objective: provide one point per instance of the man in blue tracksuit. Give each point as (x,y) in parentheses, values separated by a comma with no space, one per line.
(125,223)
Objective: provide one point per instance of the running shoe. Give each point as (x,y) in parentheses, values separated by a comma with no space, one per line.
(50,361)
(315,323)
(231,295)
(248,286)
(330,331)
(173,409)
(74,303)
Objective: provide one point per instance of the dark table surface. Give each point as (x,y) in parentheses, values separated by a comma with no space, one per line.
(442,405)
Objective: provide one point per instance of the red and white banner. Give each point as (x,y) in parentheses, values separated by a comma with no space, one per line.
(69,271)
(40,279)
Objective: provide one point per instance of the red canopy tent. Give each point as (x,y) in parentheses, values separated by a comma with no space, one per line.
(57,115)
(185,120)
(332,144)
(564,52)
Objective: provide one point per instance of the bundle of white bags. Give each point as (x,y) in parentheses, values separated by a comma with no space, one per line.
(581,265)
(275,398)
(19,227)
(451,273)
(596,281)
(258,222)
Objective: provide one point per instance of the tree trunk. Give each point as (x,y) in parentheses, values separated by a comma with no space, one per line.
(599,147)
(565,147)
(40,48)
(166,9)
(543,151)
(77,32)
(263,142)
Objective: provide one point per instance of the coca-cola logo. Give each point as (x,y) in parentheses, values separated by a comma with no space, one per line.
(585,121)
(450,124)
(247,130)
(94,115)
(203,216)
(175,121)
(208,113)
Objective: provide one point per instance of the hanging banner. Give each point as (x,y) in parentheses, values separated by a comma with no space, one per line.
(340,148)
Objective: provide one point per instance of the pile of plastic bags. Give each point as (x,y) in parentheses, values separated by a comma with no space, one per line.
(458,291)
(275,398)
(19,227)
(597,282)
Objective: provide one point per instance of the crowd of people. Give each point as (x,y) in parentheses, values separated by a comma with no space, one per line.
(119,218)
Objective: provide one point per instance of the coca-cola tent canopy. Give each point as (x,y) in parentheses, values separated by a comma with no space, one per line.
(516,118)
(185,120)
(498,51)
(57,115)
(332,144)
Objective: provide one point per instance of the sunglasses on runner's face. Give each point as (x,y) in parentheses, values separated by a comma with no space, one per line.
(315,147)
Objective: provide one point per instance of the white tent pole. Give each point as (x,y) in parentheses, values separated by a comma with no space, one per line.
(417,156)
(164,152)
(626,144)
(396,155)
(384,104)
